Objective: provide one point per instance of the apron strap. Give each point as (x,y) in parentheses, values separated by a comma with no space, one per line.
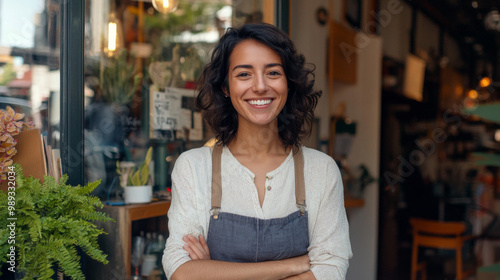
(300,190)
(300,193)
(216,177)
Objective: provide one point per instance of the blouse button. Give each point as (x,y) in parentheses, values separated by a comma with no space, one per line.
(269,177)
(268,188)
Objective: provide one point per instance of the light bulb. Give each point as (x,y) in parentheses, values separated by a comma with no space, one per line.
(472,94)
(114,36)
(485,82)
(165,6)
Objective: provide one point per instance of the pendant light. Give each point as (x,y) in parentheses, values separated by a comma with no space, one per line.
(165,6)
(114,38)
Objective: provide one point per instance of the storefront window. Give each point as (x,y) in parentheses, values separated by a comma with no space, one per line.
(29,63)
(142,60)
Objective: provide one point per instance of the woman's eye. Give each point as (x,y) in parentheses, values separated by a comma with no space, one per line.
(274,73)
(243,75)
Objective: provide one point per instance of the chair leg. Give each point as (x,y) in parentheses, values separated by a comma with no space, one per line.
(414,257)
(424,271)
(459,264)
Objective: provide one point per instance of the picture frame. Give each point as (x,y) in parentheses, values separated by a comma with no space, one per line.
(173,115)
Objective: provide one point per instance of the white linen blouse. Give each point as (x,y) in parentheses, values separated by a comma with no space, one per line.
(189,213)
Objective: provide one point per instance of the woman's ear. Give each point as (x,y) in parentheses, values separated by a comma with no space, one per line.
(226,91)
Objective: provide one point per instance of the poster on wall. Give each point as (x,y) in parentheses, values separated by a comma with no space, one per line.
(173,116)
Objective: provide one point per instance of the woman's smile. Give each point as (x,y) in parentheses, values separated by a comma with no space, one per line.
(260,103)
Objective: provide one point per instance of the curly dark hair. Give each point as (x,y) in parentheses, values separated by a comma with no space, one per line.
(294,121)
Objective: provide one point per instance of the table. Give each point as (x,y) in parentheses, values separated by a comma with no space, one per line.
(118,242)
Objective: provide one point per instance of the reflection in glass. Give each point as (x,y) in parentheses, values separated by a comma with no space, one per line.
(141,66)
(29,62)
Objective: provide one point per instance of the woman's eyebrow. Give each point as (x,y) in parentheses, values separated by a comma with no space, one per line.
(248,66)
(274,64)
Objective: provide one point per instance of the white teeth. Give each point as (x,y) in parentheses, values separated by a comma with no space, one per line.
(259,102)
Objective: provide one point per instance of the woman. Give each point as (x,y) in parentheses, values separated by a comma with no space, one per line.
(258,205)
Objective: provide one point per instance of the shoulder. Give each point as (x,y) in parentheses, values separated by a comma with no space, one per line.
(196,154)
(313,156)
(194,158)
(320,165)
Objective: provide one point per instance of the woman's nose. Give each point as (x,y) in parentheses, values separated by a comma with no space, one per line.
(260,84)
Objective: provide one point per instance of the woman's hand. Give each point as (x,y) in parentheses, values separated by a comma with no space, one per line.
(302,263)
(297,266)
(197,248)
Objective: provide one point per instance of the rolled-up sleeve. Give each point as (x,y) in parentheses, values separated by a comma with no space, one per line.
(330,248)
(182,216)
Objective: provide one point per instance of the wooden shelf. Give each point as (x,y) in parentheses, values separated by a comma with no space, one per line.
(118,242)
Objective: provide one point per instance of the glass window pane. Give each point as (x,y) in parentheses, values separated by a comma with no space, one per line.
(29,64)
(142,59)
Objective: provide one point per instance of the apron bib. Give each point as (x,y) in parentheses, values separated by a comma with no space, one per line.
(238,238)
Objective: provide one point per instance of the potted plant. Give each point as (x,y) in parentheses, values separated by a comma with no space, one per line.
(119,79)
(43,225)
(137,189)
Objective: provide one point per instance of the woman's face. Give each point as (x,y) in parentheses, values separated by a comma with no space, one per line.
(257,84)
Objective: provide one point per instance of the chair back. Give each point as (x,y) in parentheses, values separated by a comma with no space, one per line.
(435,234)
(442,235)
(437,227)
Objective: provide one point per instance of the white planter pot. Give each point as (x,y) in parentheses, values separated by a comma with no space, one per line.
(138,194)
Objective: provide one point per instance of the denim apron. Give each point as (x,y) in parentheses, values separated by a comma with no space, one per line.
(238,238)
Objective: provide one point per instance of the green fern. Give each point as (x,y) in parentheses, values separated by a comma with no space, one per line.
(53,220)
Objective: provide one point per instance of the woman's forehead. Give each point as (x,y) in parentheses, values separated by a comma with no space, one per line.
(252,51)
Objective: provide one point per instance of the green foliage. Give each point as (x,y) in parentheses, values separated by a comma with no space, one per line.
(8,74)
(194,17)
(139,175)
(53,220)
(119,79)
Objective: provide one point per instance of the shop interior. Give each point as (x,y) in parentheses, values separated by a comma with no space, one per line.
(409,111)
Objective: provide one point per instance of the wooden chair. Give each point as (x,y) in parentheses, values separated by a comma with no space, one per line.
(441,235)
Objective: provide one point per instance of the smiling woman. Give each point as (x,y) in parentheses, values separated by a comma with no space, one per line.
(257,95)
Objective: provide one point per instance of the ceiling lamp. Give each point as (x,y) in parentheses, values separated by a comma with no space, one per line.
(165,6)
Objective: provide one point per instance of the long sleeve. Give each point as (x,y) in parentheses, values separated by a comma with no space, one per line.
(330,247)
(182,216)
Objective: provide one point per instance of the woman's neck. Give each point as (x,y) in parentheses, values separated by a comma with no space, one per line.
(257,141)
